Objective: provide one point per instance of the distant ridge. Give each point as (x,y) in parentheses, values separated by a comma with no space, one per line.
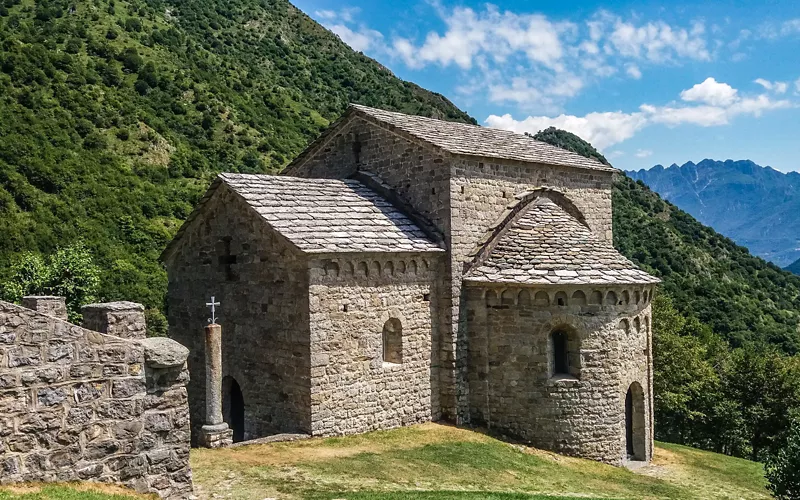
(794,268)
(755,206)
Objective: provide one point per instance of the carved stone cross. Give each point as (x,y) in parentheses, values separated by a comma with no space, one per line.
(213,305)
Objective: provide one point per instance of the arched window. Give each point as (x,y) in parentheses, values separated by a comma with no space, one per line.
(393,341)
(560,360)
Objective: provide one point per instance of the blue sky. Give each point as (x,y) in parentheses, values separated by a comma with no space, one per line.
(647,83)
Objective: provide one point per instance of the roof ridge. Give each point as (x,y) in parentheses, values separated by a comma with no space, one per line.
(494,143)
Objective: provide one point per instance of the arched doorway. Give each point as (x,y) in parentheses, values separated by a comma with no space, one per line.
(635,439)
(233,407)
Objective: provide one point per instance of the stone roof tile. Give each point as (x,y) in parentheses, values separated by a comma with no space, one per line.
(473,140)
(546,245)
(329,215)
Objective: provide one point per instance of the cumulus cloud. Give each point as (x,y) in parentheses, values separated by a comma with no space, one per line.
(708,104)
(658,41)
(710,92)
(362,40)
(359,37)
(601,129)
(489,33)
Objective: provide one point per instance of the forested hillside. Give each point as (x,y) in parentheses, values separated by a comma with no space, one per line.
(114,116)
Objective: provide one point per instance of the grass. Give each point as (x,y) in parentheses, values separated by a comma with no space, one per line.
(435,462)
(438,462)
(77,491)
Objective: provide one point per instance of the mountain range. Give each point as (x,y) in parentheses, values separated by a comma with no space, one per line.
(758,207)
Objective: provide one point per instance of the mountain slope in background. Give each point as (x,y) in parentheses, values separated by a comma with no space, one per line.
(116,114)
(756,206)
(794,268)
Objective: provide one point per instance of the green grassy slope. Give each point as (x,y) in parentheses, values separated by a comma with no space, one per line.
(115,114)
(432,461)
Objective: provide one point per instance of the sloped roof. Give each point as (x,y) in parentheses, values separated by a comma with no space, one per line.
(473,140)
(545,245)
(329,215)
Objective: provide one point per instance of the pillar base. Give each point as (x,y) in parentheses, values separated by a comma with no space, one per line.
(216,436)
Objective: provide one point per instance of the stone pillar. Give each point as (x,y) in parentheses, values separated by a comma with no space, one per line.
(121,319)
(215,433)
(55,307)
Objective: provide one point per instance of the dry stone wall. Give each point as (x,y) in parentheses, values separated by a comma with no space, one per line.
(78,405)
(261,283)
(513,388)
(353,388)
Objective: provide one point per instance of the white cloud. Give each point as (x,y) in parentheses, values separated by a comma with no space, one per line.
(710,92)
(345,15)
(615,153)
(797,85)
(643,153)
(601,129)
(633,71)
(710,104)
(777,87)
(362,40)
(658,41)
(491,34)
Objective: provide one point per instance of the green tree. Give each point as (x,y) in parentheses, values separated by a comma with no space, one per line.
(783,468)
(70,272)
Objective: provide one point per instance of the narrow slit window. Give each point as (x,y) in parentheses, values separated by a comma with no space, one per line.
(560,353)
(393,341)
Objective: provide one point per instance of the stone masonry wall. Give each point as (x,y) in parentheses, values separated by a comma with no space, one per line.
(512,387)
(480,190)
(261,283)
(78,405)
(419,174)
(352,388)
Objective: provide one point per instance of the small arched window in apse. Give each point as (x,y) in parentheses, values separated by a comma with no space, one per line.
(560,346)
(393,341)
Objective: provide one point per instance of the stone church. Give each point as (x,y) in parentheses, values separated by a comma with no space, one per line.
(407,269)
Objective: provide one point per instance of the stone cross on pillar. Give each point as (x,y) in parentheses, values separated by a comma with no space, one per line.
(215,433)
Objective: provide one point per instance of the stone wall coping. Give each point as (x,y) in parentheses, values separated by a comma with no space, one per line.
(162,352)
(114,306)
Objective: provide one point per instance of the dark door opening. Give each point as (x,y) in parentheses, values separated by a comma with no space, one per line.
(629,424)
(233,408)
